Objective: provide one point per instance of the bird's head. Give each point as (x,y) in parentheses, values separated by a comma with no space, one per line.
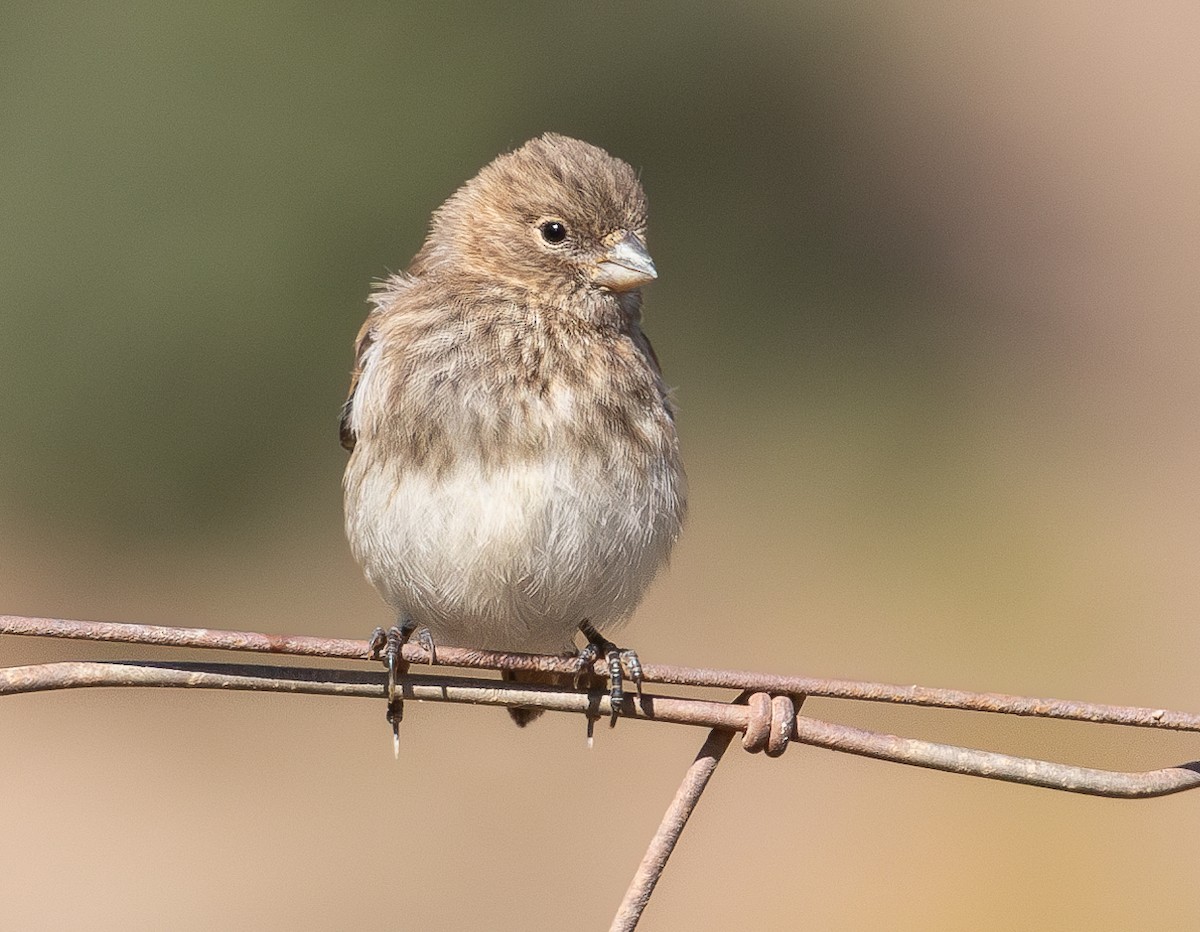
(554,216)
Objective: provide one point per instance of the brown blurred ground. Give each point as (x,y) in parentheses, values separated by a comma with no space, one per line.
(929,292)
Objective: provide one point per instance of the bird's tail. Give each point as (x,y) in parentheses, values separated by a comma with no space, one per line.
(523,715)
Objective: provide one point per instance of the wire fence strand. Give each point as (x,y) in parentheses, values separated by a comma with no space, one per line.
(852,690)
(433,686)
(766,712)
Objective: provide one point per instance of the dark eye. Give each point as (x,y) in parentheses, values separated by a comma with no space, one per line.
(553,232)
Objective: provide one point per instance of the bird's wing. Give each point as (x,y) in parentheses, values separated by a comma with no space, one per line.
(648,349)
(387,293)
(668,396)
(362,343)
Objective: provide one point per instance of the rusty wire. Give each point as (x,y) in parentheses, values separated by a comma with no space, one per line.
(765,714)
(349,649)
(768,729)
(674,821)
(594,703)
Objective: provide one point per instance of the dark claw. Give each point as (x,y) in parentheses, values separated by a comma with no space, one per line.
(393,659)
(585,660)
(376,642)
(389,647)
(616,683)
(425,639)
(634,666)
(619,661)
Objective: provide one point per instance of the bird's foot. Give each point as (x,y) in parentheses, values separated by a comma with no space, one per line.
(388,646)
(619,661)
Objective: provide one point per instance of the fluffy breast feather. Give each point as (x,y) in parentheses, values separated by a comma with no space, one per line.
(513,557)
(516,471)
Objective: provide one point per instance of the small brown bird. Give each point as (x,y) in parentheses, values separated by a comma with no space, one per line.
(515,475)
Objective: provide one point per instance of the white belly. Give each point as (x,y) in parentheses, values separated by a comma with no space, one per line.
(514,558)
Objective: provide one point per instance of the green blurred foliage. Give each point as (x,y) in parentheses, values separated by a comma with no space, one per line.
(197,197)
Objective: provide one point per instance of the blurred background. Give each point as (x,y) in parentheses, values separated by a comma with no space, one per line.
(929,292)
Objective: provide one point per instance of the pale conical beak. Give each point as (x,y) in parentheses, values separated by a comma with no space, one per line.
(625,266)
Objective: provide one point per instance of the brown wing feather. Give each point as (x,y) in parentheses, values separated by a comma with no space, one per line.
(649,350)
(366,336)
(643,343)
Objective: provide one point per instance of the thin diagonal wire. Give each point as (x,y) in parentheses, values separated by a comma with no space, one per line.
(629,913)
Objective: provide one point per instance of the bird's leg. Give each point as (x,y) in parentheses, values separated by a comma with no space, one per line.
(389,647)
(619,661)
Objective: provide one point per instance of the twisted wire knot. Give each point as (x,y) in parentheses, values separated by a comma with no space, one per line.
(772,721)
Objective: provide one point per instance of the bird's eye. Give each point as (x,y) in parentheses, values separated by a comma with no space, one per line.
(553,232)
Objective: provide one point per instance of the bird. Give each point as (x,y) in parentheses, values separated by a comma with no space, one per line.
(515,475)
